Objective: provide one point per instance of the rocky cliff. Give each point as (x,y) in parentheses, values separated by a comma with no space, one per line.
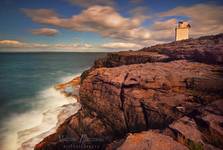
(166,96)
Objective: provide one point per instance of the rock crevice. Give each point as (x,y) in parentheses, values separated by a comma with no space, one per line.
(171,92)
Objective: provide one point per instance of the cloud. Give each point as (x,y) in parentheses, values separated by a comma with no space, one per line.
(119,45)
(141,13)
(46,16)
(163,30)
(130,32)
(75,46)
(14,45)
(164,25)
(21,46)
(110,24)
(45,31)
(9,42)
(87,3)
(204,18)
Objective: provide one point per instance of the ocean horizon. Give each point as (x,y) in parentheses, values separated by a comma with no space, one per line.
(27,89)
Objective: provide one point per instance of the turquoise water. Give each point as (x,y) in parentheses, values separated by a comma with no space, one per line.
(25,80)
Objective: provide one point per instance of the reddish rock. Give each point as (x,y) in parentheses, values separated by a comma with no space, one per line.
(187,133)
(150,140)
(212,126)
(215,107)
(206,49)
(130,57)
(70,88)
(188,128)
(133,98)
(118,98)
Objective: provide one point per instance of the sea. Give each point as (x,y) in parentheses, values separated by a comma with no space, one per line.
(29,104)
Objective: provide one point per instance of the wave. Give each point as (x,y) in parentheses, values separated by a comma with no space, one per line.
(49,109)
(28,138)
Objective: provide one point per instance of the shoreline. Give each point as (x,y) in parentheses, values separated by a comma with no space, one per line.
(25,130)
(70,88)
(51,120)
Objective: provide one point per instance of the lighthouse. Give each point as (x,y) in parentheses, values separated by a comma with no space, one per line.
(182,31)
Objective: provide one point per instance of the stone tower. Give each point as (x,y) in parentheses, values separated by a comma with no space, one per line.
(182,31)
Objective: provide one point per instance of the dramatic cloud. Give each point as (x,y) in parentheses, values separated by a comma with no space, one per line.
(86,3)
(130,32)
(110,24)
(118,45)
(205,19)
(44,31)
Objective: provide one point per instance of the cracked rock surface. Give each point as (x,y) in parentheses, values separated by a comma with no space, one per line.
(166,103)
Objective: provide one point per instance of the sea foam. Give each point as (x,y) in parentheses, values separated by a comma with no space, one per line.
(49,109)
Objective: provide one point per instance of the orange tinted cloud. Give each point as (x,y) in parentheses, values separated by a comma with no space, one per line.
(10,43)
(120,45)
(45,31)
(24,46)
(205,19)
(110,24)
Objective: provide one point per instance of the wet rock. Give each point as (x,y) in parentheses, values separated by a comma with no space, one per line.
(70,88)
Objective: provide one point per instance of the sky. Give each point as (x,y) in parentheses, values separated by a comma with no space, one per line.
(101,25)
